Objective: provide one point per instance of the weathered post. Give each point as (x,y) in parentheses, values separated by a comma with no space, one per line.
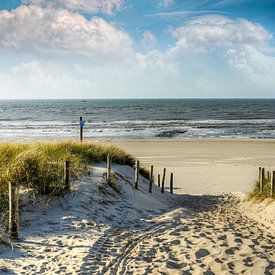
(81,128)
(268,175)
(13,211)
(109,164)
(260,178)
(67,175)
(151,179)
(158,180)
(136,174)
(262,181)
(171,183)
(163,180)
(272,184)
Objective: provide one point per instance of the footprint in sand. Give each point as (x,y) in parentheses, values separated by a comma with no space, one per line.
(201,253)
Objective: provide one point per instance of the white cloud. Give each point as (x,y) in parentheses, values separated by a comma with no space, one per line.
(148,40)
(166,3)
(48,31)
(35,80)
(212,56)
(86,6)
(237,45)
(220,31)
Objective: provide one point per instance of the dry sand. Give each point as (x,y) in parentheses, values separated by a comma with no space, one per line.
(97,230)
(205,166)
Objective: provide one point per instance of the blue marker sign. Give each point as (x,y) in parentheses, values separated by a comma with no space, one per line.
(82,123)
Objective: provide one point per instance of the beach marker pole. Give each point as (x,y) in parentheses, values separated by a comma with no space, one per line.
(67,175)
(109,163)
(81,128)
(171,183)
(163,180)
(151,179)
(262,181)
(158,180)
(272,184)
(136,174)
(13,211)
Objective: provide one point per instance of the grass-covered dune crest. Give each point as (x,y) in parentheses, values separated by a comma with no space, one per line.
(40,165)
(257,195)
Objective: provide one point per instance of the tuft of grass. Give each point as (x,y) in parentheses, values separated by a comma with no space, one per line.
(257,195)
(40,166)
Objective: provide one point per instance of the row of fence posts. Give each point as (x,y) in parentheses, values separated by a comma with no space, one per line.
(14,192)
(263,177)
(109,163)
(13,226)
(151,178)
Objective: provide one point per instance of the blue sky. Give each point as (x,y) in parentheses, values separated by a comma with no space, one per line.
(126,48)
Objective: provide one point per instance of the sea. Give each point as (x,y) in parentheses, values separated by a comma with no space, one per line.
(138,119)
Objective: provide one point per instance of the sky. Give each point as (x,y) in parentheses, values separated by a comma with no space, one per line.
(137,49)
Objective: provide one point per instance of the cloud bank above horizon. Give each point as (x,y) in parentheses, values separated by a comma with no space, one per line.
(118,48)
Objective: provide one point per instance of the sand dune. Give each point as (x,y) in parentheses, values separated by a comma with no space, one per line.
(100,230)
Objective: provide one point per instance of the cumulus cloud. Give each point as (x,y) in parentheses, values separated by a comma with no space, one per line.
(238,43)
(212,56)
(214,31)
(86,6)
(36,80)
(48,31)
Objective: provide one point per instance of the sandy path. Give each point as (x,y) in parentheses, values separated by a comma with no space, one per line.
(216,238)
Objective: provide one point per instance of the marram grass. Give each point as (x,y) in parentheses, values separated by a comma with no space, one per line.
(257,195)
(40,166)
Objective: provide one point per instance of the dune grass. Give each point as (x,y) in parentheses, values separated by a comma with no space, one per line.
(260,196)
(39,166)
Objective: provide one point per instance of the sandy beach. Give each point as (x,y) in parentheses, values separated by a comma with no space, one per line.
(137,137)
(102,229)
(205,166)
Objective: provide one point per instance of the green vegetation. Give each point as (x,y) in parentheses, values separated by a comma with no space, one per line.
(39,166)
(257,195)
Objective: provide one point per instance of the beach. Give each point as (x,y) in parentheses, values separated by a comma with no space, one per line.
(137,137)
(99,229)
(205,166)
(206,226)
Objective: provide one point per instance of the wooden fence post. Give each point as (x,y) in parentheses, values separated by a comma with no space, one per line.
(262,181)
(268,175)
(67,175)
(136,174)
(81,129)
(272,184)
(13,211)
(109,164)
(158,180)
(151,179)
(163,180)
(171,183)
(260,178)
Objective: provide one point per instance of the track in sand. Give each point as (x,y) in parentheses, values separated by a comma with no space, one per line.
(216,238)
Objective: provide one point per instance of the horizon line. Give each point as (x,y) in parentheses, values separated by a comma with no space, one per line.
(134,98)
